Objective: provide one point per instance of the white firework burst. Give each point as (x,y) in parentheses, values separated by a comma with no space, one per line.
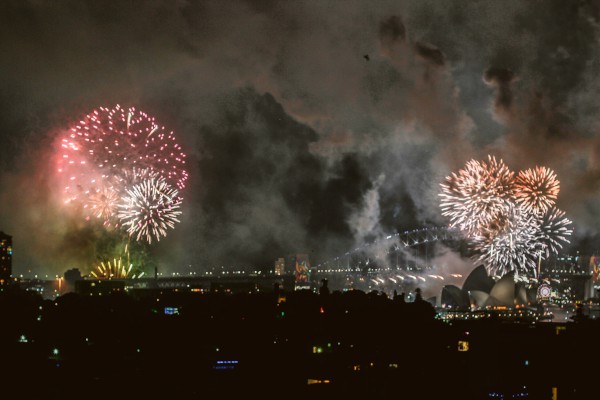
(149,209)
(473,197)
(554,230)
(509,243)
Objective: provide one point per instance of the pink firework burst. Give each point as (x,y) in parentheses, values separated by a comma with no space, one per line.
(107,144)
(510,222)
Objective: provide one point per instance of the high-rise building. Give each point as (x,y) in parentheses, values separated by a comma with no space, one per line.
(570,277)
(5,258)
(280,266)
(299,265)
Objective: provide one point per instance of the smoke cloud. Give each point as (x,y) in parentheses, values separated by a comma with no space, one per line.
(288,126)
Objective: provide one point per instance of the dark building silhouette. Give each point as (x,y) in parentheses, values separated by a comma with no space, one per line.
(324,289)
(99,287)
(71,276)
(5,258)
(345,345)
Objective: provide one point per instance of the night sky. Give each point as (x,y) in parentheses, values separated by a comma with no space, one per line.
(310,126)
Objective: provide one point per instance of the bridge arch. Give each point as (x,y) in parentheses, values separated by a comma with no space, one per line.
(416,241)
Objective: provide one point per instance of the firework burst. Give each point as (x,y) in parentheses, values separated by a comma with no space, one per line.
(116,270)
(119,166)
(537,189)
(103,204)
(132,177)
(554,230)
(109,143)
(509,222)
(508,243)
(474,196)
(149,209)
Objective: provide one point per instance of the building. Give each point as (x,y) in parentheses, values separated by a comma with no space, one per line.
(70,277)
(5,258)
(299,266)
(570,277)
(99,287)
(280,266)
(594,270)
(49,289)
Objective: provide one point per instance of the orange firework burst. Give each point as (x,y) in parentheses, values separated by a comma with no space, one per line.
(536,190)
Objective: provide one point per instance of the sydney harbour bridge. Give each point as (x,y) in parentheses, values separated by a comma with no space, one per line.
(402,261)
(404,250)
(426,258)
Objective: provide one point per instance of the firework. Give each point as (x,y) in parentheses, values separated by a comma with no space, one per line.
(103,204)
(536,189)
(149,209)
(477,194)
(554,229)
(509,222)
(121,167)
(108,144)
(116,270)
(509,242)
(132,177)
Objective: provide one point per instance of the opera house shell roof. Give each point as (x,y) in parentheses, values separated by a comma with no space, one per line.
(481,291)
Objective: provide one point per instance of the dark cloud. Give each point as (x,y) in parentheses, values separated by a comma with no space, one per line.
(430,53)
(392,30)
(501,79)
(262,188)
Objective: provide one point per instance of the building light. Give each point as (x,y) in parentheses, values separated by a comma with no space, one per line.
(171,310)
(317,381)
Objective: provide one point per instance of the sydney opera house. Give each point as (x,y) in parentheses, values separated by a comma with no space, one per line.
(480,291)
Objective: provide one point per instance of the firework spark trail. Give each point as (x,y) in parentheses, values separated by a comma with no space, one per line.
(134,176)
(510,222)
(103,204)
(554,229)
(149,209)
(116,270)
(537,189)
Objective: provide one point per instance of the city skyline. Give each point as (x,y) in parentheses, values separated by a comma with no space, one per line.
(309,128)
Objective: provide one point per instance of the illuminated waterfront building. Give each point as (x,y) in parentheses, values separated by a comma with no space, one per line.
(299,266)
(569,277)
(5,258)
(280,266)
